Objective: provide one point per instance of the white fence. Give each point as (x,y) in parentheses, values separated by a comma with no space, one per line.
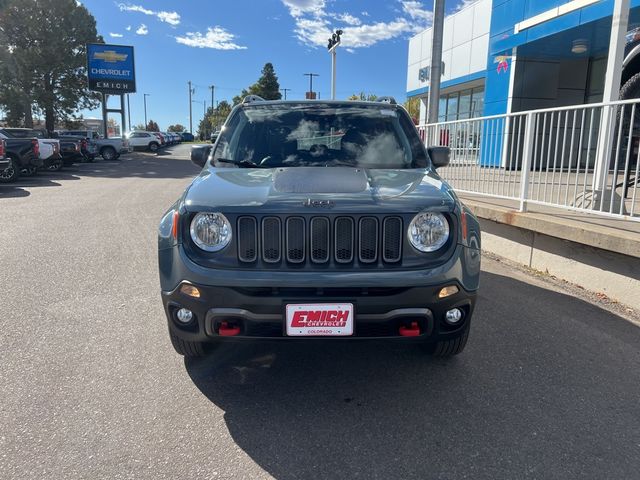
(583,157)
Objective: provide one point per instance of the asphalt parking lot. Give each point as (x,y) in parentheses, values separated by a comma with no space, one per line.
(91,387)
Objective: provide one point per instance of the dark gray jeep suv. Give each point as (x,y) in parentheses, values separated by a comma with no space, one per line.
(318,219)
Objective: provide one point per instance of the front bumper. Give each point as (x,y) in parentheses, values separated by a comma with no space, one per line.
(259,311)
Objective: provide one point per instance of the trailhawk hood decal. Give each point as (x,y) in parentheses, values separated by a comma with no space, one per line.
(302,189)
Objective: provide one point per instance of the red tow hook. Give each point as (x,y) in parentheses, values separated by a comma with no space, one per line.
(412,330)
(227,330)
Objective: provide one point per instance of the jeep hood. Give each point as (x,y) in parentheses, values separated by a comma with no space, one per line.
(300,189)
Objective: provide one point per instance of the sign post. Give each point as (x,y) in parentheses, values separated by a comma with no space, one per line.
(111,71)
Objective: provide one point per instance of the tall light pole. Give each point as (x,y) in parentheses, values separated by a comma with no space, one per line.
(334,41)
(436,61)
(311,75)
(285,90)
(213,89)
(145,108)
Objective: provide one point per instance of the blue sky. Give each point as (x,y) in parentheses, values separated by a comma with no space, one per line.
(226,43)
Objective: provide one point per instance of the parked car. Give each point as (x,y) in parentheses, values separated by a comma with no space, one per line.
(144,140)
(24,158)
(214,136)
(108,148)
(49,148)
(187,137)
(342,230)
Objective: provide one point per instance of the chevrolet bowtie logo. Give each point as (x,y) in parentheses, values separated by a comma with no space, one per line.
(110,56)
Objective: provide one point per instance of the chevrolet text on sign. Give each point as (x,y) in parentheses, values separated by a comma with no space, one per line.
(110,68)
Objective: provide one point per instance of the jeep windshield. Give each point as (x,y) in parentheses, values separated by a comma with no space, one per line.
(320,134)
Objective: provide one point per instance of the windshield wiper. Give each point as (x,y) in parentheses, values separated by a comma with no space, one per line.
(241,163)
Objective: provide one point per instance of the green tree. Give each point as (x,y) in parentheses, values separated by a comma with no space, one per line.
(370,97)
(213,119)
(176,128)
(412,105)
(152,126)
(266,87)
(45,57)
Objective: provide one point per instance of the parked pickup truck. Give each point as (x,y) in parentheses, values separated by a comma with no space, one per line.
(23,155)
(4,161)
(49,148)
(76,150)
(108,148)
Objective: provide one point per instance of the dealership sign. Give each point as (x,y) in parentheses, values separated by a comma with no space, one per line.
(110,68)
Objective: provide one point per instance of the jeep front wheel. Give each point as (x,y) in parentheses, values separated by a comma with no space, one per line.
(187,348)
(449,348)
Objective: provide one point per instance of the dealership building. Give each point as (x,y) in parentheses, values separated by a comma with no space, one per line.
(504,56)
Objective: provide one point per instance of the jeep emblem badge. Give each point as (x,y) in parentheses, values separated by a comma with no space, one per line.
(318,203)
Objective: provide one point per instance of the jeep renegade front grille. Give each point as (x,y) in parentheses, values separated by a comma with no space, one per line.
(319,240)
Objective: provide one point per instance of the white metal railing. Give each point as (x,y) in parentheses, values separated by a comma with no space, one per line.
(581,157)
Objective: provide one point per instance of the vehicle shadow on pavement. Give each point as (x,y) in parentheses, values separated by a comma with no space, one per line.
(547,387)
(11,191)
(137,165)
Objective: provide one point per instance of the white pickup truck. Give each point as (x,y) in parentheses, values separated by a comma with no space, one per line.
(49,147)
(108,148)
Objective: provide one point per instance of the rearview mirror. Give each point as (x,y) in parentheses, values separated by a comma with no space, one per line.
(200,154)
(440,156)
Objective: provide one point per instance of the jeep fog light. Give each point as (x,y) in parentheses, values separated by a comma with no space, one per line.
(184,315)
(453,316)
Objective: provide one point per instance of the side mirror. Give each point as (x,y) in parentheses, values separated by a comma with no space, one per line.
(200,154)
(439,156)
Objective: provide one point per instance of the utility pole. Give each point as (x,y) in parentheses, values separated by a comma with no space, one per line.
(213,89)
(190,109)
(334,41)
(145,95)
(436,61)
(285,90)
(311,75)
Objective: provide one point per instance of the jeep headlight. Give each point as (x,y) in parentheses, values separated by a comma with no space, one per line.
(428,231)
(210,231)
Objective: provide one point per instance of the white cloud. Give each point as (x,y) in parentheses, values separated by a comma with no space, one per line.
(464,4)
(314,23)
(215,37)
(347,18)
(416,11)
(172,18)
(115,35)
(128,29)
(142,29)
(298,8)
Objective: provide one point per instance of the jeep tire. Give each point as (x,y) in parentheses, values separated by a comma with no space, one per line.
(187,348)
(449,348)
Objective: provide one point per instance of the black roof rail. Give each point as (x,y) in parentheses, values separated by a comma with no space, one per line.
(253,98)
(389,100)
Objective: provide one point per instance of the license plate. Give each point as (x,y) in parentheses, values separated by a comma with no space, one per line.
(319,319)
